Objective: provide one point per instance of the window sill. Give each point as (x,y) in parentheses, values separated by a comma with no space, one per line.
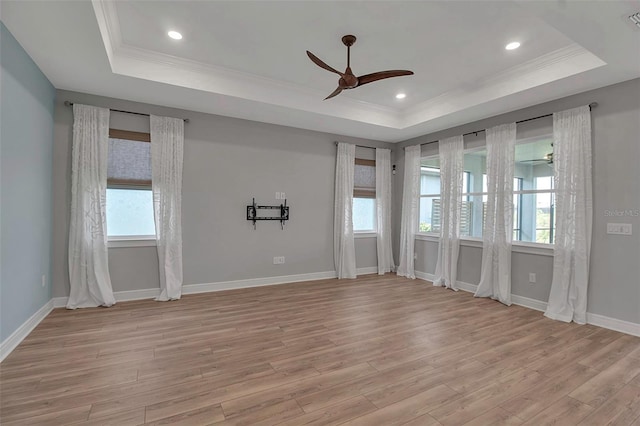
(467,242)
(365,234)
(532,248)
(427,237)
(516,247)
(133,241)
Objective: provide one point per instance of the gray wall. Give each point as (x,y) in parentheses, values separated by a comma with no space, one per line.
(227,161)
(614,287)
(26,126)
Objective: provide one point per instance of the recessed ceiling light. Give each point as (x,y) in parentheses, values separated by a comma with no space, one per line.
(175,35)
(401,96)
(513,45)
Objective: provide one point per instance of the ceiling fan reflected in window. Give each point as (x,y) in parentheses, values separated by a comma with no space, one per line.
(347,79)
(547,158)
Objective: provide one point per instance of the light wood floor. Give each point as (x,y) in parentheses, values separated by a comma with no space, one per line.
(371,351)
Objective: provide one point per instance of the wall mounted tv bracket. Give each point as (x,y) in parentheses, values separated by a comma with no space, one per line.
(252,213)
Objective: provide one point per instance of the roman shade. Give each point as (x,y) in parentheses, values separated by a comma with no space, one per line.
(364,178)
(129,163)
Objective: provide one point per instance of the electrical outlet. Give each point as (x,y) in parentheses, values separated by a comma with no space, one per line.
(278,260)
(277,195)
(281,259)
(532,277)
(44,280)
(619,228)
(283,197)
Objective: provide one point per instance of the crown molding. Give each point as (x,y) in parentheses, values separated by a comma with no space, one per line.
(561,63)
(109,25)
(150,65)
(142,63)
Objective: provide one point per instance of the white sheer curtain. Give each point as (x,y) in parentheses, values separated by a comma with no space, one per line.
(574,215)
(451,172)
(344,252)
(383,210)
(167,142)
(497,235)
(90,283)
(410,210)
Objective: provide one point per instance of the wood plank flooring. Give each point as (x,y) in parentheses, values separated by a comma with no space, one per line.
(372,351)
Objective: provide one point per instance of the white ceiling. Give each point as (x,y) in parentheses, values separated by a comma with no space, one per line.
(247,59)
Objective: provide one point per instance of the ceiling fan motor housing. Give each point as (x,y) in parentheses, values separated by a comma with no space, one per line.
(349,40)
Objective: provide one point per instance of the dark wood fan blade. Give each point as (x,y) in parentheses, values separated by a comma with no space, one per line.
(334,93)
(535,160)
(369,78)
(321,64)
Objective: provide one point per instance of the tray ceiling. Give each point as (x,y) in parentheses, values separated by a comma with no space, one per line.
(247,59)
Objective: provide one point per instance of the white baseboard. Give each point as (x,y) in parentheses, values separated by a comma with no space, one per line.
(59,302)
(425,276)
(260,282)
(120,296)
(367,271)
(11,342)
(538,305)
(150,293)
(147,293)
(614,324)
(255,282)
(527,302)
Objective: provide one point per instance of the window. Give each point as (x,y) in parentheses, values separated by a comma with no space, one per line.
(364,196)
(517,205)
(129,197)
(474,198)
(536,202)
(545,214)
(430,195)
(430,210)
(533,193)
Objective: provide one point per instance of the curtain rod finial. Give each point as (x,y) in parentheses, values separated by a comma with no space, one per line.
(592,105)
(67,103)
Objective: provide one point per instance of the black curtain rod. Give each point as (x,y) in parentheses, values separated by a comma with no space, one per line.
(67,103)
(361,146)
(592,105)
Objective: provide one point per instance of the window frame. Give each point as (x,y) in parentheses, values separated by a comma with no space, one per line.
(517,229)
(122,241)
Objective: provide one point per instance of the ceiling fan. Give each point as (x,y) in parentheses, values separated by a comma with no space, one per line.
(347,79)
(547,158)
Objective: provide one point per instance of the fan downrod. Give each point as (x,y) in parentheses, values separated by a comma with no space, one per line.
(349,40)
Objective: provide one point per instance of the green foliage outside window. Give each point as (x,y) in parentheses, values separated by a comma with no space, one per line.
(425,227)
